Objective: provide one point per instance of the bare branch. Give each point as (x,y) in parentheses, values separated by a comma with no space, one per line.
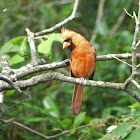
(62,2)
(138,65)
(72,130)
(10,82)
(43,136)
(71,17)
(4,62)
(128,13)
(2,94)
(120,60)
(136,84)
(58,76)
(30,69)
(118,24)
(13,106)
(5,70)
(132,94)
(134,44)
(32,45)
(98,19)
(119,56)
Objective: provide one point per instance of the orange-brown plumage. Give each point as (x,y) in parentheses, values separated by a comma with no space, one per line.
(82,64)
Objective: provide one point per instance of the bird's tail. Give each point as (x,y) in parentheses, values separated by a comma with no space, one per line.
(77,99)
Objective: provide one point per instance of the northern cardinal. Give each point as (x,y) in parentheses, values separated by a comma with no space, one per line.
(82,63)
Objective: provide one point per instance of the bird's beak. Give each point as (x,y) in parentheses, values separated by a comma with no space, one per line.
(66,44)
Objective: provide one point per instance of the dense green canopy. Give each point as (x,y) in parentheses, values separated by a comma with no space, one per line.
(49,111)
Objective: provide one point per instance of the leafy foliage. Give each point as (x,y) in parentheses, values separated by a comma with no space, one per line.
(49,110)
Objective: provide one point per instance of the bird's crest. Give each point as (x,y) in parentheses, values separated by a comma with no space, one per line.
(66,33)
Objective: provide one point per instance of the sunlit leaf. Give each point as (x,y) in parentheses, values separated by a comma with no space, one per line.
(134,135)
(16,59)
(10,92)
(46,46)
(133,106)
(79,119)
(122,130)
(12,45)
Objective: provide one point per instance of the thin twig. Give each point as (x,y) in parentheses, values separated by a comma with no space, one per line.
(120,60)
(58,76)
(136,84)
(132,94)
(135,44)
(2,94)
(128,13)
(98,19)
(32,45)
(13,106)
(44,136)
(138,65)
(117,24)
(31,69)
(135,41)
(10,82)
(71,17)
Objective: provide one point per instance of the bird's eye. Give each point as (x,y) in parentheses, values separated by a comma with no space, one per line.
(68,40)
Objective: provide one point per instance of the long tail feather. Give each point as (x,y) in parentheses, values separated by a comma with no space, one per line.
(77,99)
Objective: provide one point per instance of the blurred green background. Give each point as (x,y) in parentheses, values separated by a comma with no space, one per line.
(49,112)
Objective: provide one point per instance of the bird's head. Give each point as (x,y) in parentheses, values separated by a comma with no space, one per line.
(67,36)
(72,39)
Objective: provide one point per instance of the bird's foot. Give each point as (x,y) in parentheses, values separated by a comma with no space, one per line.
(81,79)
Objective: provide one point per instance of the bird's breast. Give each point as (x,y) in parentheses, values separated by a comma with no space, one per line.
(82,63)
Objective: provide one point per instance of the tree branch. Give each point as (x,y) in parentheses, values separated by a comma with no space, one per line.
(136,84)
(134,44)
(71,17)
(98,19)
(32,45)
(44,136)
(30,69)
(118,24)
(58,76)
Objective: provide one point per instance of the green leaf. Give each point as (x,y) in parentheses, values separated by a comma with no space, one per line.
(24,49)
(31,106)
(46,46)
(33,119)
(17,40)
(10,92)
(49,103)
(134,106)
(57,37)
(79,119)
(65,122)
(12,45)
(134,135)
(46,111)
(106,137)
(122,130)
(16,59)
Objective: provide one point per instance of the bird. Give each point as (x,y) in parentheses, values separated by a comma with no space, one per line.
(82,63)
